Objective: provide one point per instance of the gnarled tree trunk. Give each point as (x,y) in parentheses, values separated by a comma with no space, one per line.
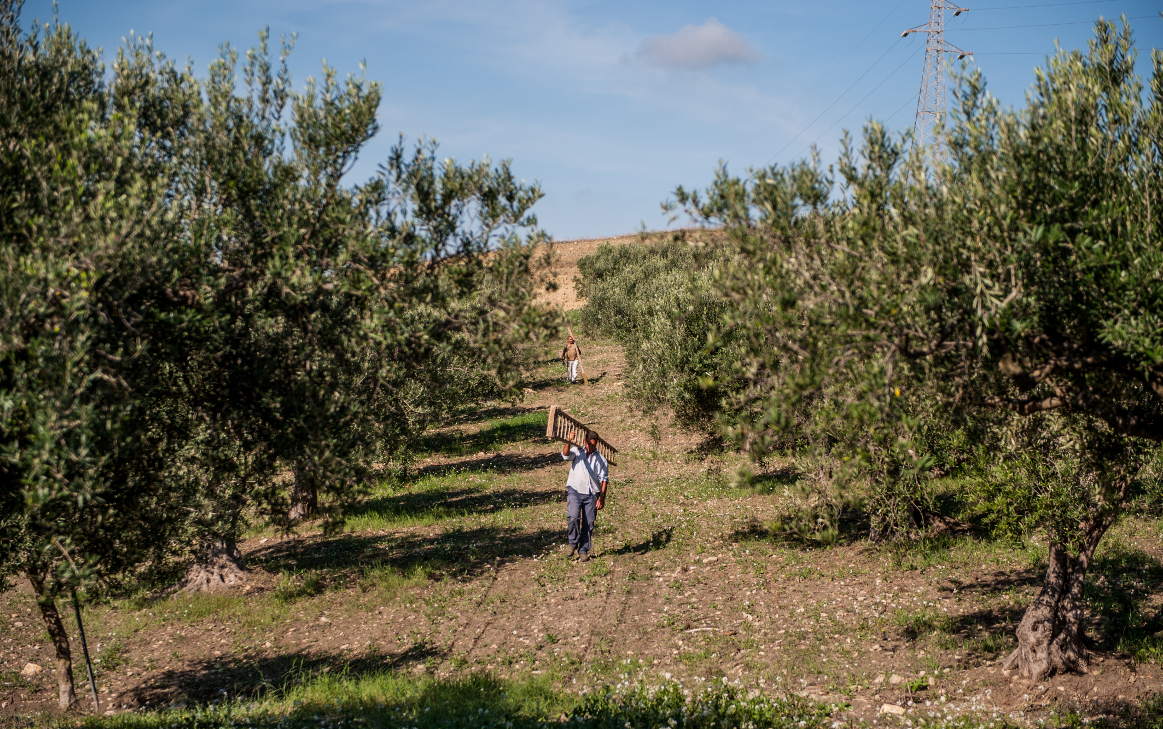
(1051,636)
(218,568)
(66,691)
(304,496)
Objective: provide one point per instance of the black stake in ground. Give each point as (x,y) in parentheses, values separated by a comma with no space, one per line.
(85,652)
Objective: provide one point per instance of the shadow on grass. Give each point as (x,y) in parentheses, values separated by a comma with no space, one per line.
(438,504)
(500,463)
(657,540)
(456,553)
(985,634)
(560,380)
(527,426)
(1121,585)
(1119,588)
(1123,714)
(808,528)
(995,582)
(254,677)
(482,701)
(480,415)
(770,481)
(544,383)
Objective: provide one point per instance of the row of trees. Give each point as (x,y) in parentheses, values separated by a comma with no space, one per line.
(195,301)
(998,315)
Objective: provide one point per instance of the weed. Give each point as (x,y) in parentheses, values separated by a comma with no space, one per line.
(293,586)
(920,623)
(596,571)
(920,683)
(1143,648)
(391,579)
(110,655)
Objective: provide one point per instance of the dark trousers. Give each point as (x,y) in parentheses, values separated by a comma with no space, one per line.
(583,512)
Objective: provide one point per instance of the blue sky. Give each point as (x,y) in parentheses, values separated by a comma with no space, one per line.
(610,105)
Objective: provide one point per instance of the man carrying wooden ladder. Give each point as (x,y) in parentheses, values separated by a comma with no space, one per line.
(589,475)
(585,493)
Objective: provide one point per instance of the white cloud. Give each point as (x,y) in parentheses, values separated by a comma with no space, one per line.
(695,47)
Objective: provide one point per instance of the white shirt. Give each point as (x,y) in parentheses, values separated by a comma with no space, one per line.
(586,473)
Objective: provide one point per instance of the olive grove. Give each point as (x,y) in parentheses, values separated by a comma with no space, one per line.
(205,324)
(1008,294)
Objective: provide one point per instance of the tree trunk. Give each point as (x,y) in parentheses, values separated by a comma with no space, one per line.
(1051,637)
(66,691)
(218,568)
(304,496)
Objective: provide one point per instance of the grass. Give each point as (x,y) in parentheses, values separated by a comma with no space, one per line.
(949,551)
(445,498)
(493,435)
(981,634)
(244,611)
(483,701)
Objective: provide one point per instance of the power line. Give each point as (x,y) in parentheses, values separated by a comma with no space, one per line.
(835,101)
(902,107)
(876,88)
(1048,25)
(859,44)
(889,14)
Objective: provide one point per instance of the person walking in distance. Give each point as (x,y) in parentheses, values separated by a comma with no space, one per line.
(571,355)
(585,491)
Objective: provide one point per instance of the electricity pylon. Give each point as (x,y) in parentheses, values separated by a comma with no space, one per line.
(931,100)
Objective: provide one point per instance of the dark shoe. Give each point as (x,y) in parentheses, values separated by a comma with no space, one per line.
(585,557)
(570,551)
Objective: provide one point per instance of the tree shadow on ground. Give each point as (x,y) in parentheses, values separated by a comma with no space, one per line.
(546,383)
(456,553)
(257,676)
(1121,585)
(982,634)
(995,582)
(1119,588)
(480,415)
(438,504)
(809,528)
(463,702)
(459,443)
(1122,713)
(503,463)
(658,540)
(772,481)
(595,379)
(709,446)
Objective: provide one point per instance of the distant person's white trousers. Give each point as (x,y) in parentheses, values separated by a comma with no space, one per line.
(572,365)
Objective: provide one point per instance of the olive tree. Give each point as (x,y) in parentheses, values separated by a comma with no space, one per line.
(195,302)
(92,266)
(342,314)
(1011,293)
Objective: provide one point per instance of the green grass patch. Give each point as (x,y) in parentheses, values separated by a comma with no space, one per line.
(958,551)
(493,435)
(296,585)
(482,701)
(247,611)
(441,497)
(392,579)
(1143,649)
